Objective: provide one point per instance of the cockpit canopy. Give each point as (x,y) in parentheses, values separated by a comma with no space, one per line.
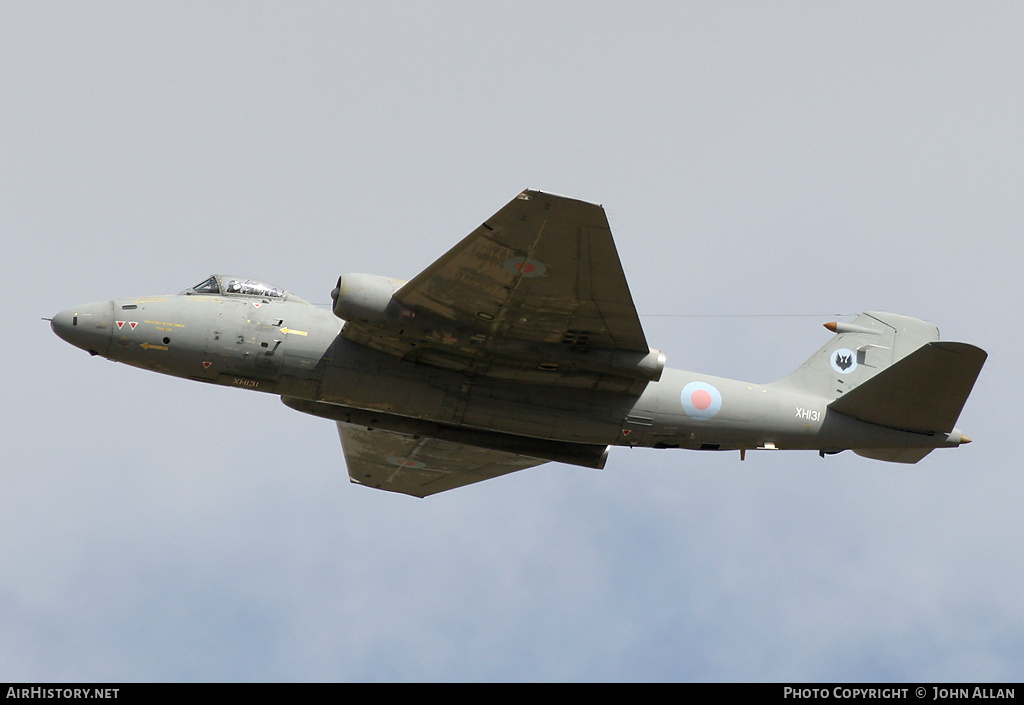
(225,285)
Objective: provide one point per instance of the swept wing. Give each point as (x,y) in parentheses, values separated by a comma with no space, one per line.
(535,294)
(420,466)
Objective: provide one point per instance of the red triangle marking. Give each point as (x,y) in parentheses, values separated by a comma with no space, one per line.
(207,364)
(133,324)
(626,432)
(120,324)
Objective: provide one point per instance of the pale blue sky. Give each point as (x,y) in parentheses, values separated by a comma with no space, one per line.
(794,158)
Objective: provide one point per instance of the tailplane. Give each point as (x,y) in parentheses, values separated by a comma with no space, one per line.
(924,392)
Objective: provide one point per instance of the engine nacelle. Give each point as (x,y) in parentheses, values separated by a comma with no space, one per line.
(364,298)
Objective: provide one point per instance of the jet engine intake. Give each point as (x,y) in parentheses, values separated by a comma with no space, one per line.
(364,298)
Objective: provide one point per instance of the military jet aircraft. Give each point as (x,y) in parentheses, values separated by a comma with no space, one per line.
(521,345)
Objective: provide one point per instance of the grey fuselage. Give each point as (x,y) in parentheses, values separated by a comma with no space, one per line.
(289,347)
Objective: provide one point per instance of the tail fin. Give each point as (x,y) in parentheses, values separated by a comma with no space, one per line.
(859,351)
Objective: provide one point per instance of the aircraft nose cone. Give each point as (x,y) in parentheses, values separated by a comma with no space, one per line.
(88,326)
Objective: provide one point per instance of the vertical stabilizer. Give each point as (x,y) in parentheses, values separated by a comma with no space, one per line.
(859,351)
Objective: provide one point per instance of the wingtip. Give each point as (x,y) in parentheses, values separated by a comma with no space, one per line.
(531,193)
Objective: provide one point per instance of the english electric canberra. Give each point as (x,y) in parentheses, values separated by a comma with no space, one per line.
(519,346)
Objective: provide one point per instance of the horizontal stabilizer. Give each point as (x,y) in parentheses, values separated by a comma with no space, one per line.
(923,392)
(894,455)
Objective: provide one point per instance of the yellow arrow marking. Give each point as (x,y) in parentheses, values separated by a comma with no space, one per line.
(149,346)
(288,331)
